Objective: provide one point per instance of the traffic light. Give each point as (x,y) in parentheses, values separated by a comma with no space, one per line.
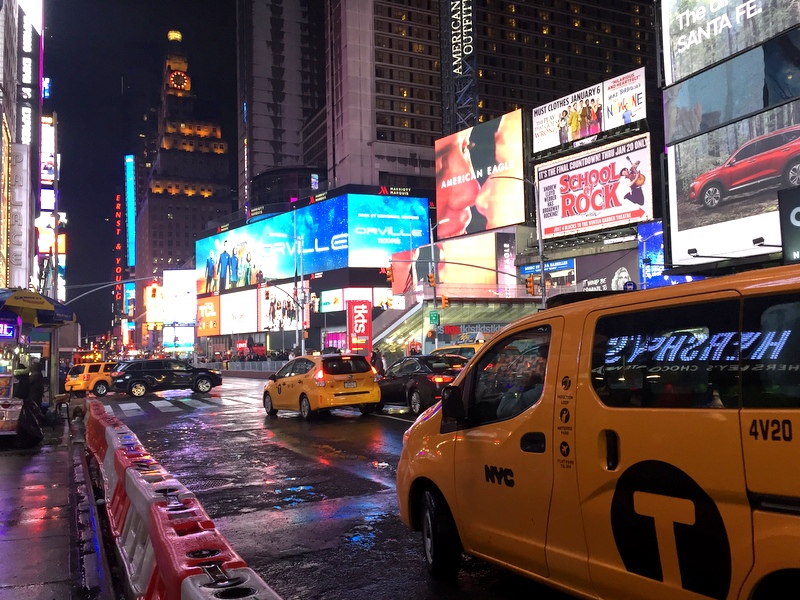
(431,279)
(445,301)
(529,284)
(389,275)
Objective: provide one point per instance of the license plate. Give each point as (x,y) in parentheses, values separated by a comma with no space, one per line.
(349,384)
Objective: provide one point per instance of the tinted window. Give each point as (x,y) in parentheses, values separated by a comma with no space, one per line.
(176,366)
(154,365)
(285,370)
(771,352)
(677,357)
(510,377)
(345,365)
(108,367)
(94,368)
(130,367)
(76,370)
(444,363)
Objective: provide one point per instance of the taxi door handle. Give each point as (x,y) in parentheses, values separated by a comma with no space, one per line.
(533,442)
(612,450)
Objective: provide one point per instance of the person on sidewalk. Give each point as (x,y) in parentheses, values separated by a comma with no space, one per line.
(36,385)
(23,376)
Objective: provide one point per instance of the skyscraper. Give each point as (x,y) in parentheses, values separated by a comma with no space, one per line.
(188,183)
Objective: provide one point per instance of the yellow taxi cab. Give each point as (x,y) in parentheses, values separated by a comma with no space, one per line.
(309,384)
(634,445)
(89,377)
(466,345)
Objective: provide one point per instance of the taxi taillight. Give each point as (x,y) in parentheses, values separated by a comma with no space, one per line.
(319,378)
(376,377)
(85,377)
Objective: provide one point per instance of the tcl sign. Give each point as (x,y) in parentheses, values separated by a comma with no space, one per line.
(789,210)
(359,325)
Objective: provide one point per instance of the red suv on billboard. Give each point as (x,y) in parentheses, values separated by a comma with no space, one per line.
(763,161)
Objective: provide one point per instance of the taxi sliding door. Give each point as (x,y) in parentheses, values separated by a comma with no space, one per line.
(659,451)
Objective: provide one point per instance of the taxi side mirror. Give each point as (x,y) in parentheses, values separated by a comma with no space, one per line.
(452,405)
(273,377)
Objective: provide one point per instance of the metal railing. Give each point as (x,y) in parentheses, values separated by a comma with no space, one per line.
(258,366)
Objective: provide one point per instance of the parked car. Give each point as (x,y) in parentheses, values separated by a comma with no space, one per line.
(417,381)
(90,377)
(137,378)
(465,350)
(312,383)
(763,161)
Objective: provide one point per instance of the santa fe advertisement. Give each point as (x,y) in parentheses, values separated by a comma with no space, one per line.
(606,187)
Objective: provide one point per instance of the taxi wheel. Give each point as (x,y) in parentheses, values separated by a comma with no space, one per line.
(415,403)
(268,406)
(203,385)
(305,408)
(440,541)
(138,389)
(367,408)
(100,389)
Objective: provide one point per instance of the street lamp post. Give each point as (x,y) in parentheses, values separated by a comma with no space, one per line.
(432,269)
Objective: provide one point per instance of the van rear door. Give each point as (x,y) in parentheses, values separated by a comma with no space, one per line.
(659,450)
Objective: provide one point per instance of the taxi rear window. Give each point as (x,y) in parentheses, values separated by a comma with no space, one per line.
(345,366)
(76,370)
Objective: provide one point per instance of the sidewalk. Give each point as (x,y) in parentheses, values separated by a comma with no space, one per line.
(49,548)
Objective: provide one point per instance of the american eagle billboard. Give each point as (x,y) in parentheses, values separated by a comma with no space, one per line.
(602,188)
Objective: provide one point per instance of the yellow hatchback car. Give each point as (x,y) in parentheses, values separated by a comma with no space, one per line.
(90,377)
(312,383)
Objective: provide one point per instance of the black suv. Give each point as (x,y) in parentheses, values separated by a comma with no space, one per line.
(139,377)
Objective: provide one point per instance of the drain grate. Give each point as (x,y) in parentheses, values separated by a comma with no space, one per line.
(205,484)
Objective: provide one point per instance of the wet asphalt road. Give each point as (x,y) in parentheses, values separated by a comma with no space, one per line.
(311,507)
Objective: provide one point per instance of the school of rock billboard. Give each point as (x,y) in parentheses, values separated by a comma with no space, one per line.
(589,111)
(700,33)
(606,187)
(479,177)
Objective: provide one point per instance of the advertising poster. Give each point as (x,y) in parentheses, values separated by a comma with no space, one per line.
(331,300)
(236,312)
(180,300)
(208,316)
(178,340)
(278,309)
(652,261)
(725,183)
(359,326)
(598,189)
(506,253)
(589,111)
(608,271)
(479,184)
(699,33)
(789,208)
(372,227)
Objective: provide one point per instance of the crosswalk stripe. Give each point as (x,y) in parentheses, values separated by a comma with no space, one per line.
(165,406)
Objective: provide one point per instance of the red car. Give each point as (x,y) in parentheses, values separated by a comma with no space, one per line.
(763,161)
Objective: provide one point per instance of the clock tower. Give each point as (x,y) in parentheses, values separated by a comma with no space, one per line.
(188,186)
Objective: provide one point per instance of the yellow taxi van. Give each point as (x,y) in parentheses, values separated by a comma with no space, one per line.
(632,445)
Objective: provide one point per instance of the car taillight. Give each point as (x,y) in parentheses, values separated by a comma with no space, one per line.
(116,373)
(376,377)
(319,378)
(440,379)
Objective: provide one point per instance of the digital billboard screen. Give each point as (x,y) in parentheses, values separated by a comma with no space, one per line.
(597,189)
(278,308)
(589,111)
(652,259)
(180,299)
(725,184)
(479,177)
(236,311)
(700,33)
(354,230)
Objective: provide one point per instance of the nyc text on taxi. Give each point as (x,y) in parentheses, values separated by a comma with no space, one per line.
(655,458)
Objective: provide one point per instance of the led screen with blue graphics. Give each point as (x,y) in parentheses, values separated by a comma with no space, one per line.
(354,230)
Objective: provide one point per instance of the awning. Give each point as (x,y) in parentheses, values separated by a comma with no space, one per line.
(36,309)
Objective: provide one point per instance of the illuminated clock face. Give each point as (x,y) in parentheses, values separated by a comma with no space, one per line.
(178,79)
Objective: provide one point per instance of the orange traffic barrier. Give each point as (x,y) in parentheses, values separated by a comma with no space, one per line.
(215,583)
(124,458)
(184,547)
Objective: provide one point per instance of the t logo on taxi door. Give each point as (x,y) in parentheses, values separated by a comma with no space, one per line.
(499,475)
(667,528)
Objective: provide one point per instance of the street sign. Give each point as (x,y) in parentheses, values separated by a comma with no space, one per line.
(434,317)
(629,286)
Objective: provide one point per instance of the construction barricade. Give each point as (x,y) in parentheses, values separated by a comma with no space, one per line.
(166,544)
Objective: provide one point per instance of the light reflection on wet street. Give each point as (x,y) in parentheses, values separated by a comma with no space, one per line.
(310,506)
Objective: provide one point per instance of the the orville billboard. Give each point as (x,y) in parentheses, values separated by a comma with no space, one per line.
(589,111)
(597,189)
(355,230)
(699,33)
(479,177)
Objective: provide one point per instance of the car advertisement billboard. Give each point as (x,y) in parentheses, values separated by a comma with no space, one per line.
(756,80)
(479,178)
(597,189)
(700,33)
(589,111)
(725,183)
(354,230)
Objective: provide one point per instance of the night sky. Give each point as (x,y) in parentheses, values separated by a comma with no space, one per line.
(105,63)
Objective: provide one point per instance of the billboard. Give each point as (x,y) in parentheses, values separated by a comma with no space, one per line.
(789,208)
(208,316)
(589,111)
(359,326)
(597,189)
(700,33)
(277,308)
(48,152)
(236,312)
(608,271)
(354,230)
(180,299)
(725,184)
(652,259)
(178,339)
(479,178)
(756,80)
